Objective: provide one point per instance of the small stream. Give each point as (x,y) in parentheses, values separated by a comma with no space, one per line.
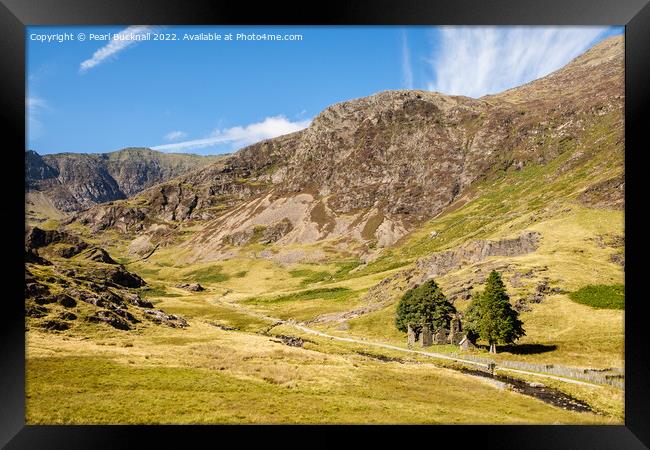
(537,390)
(544,393)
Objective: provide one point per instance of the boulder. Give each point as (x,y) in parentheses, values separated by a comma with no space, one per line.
(542,287)
(66,315)
(99,255)
(291,341)
(34,289)
(116,276)
(521,305)
(32,256)
(45,300)
(618,258)
(66,301)
(171,320)
(136,300)
(72,250)
(66,272)
(32,310)
(112,298)
(123,313)
(55,325)
(110,318)
(194,287)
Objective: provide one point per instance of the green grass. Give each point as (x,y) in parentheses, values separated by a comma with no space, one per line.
(211,274)
(307,305)
(200,310)
(203,374)
(156,291)
(600,296)
(389,261)
(345,268)
(336,293)
(310,276)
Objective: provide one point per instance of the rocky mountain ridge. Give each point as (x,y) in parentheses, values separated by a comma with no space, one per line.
(367,171)
(76,181)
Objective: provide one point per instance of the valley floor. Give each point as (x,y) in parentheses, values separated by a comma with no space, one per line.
(205,374)
(233,364)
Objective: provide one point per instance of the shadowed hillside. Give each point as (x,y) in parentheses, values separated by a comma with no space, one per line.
(70,182)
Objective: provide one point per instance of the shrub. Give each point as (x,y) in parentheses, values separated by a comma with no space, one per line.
(600,296)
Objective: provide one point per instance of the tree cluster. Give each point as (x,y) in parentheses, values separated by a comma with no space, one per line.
(490,316)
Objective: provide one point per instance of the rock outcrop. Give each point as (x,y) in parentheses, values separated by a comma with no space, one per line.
(192,287)
(605,194)
(100,290)
(440,263)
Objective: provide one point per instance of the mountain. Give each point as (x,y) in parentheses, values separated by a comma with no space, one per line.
(70,182)
(368,171)
(276,272)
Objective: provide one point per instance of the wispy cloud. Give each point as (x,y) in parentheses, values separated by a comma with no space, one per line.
(475,61)
(175,135)
(239,136)
(124,39)
(407,70)
(35,103)
(34,108)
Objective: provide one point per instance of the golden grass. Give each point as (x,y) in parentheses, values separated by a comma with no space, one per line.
(217,376)
(202,374)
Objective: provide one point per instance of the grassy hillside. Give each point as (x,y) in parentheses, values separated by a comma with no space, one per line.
(305,243)
(206,375)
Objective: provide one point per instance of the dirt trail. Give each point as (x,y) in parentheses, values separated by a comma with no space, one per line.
(400,349)
(546,394)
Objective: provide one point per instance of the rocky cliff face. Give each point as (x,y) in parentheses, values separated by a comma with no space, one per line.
(437,265)
(73,182)
(369,170)
(68,281)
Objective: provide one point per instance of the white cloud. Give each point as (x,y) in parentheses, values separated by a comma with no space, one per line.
(240,136)
(475,61)
(175,135)
(125,39)
(407,71)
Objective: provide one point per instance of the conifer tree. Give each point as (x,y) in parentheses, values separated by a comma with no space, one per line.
(424,305)
(491,317)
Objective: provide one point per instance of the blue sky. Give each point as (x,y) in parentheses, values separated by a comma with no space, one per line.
(216,96)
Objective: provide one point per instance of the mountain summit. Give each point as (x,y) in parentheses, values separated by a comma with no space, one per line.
(368,171)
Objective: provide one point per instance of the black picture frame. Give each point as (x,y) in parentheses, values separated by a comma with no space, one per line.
(15,15)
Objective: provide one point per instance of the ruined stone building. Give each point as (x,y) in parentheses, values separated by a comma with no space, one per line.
(426,337)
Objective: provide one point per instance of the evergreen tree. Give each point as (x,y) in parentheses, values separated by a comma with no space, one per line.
(491,317)
(471,318)
(424,305)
